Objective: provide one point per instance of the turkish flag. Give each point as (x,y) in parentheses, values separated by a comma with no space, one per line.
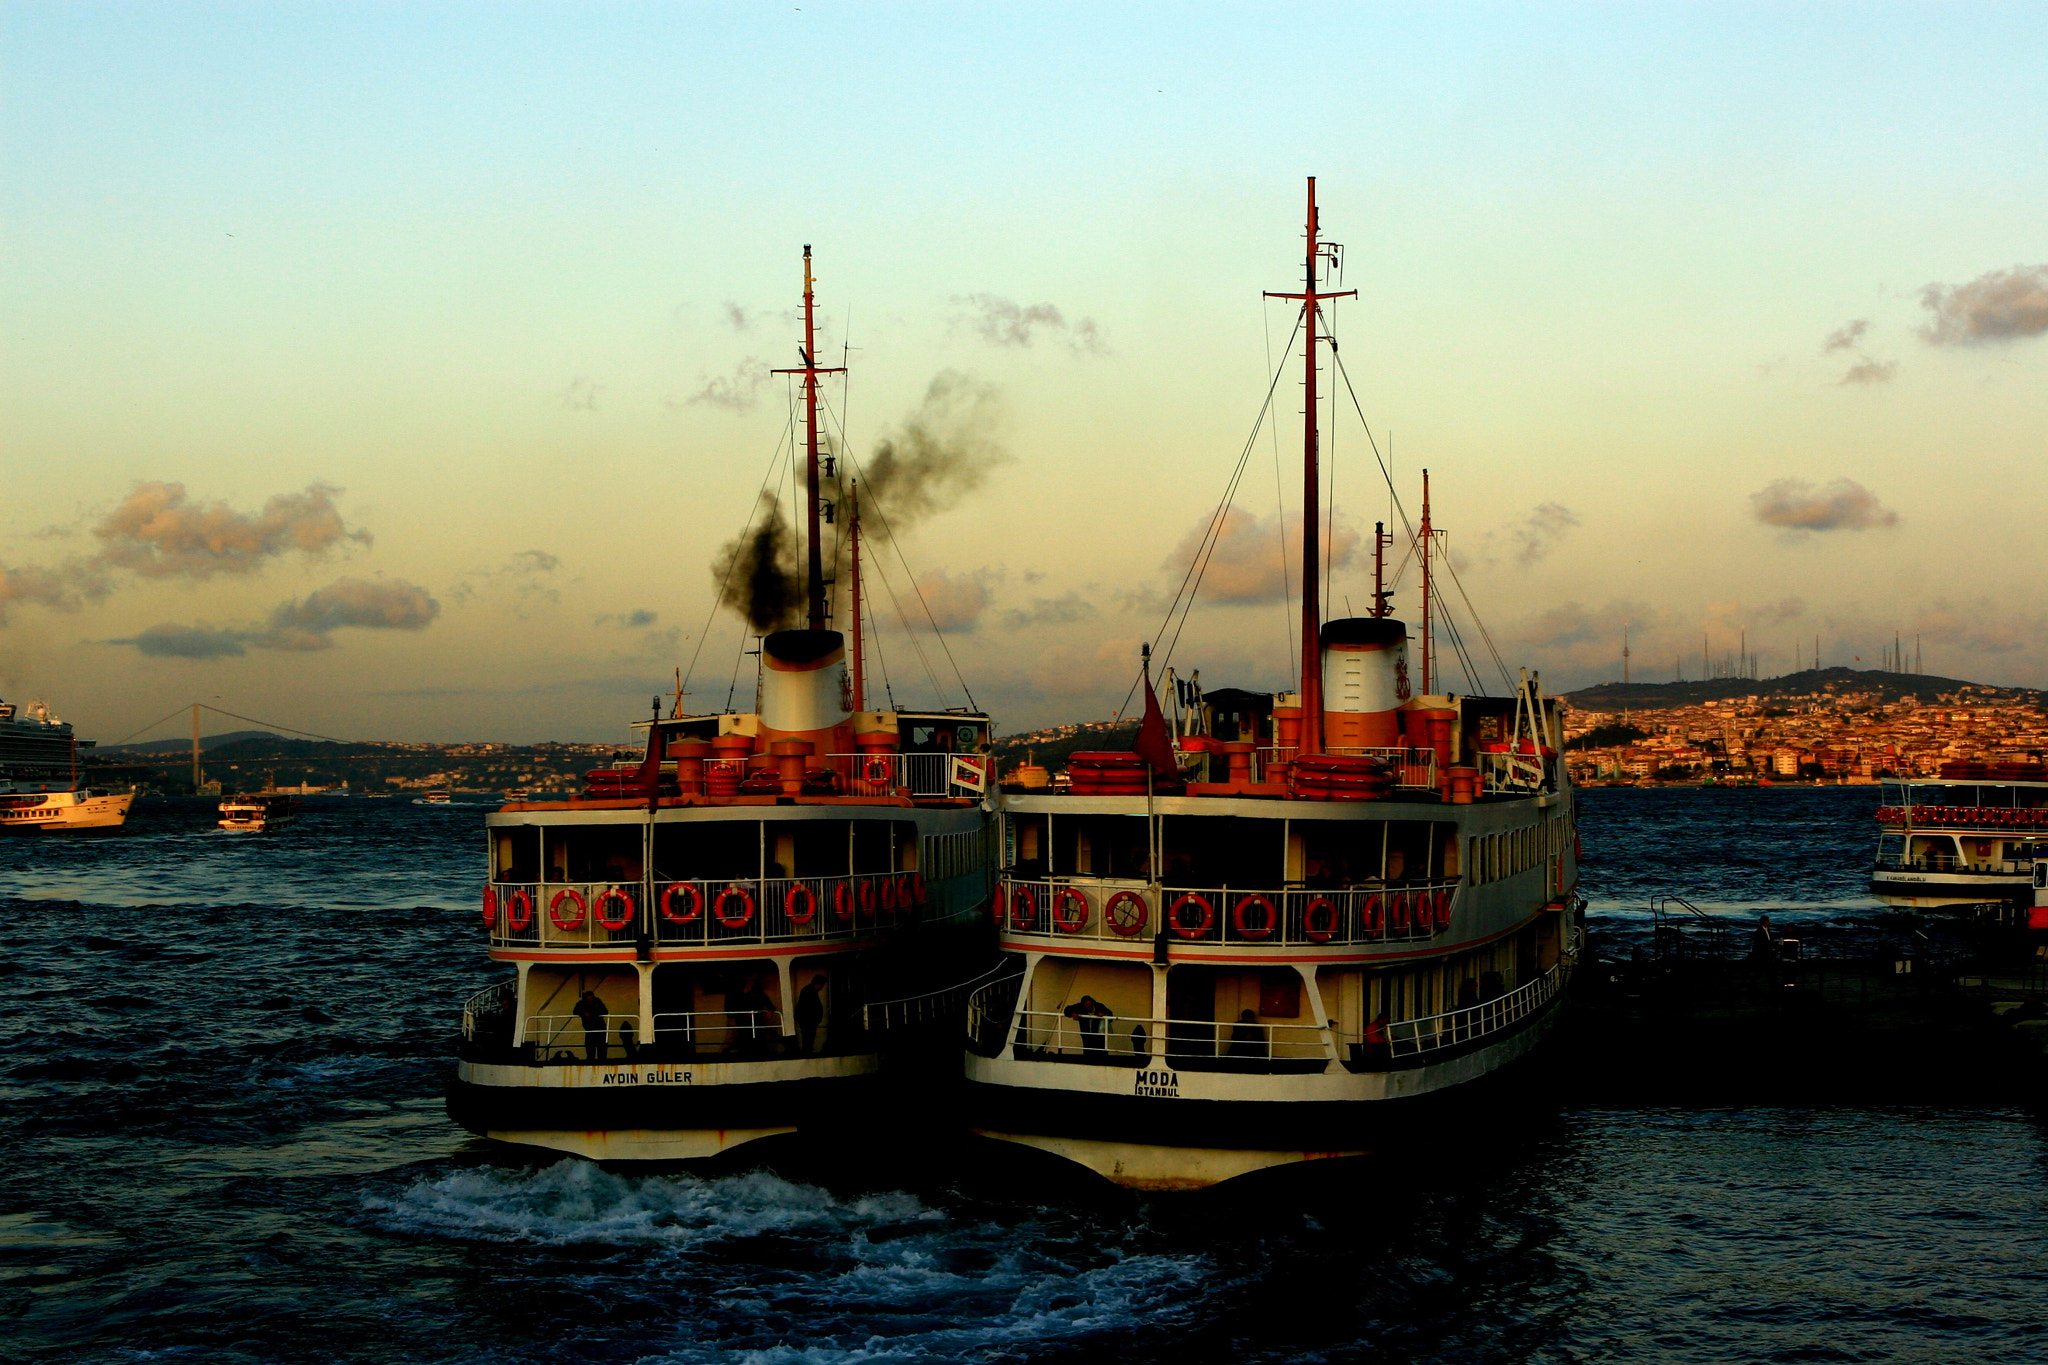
(1154,745)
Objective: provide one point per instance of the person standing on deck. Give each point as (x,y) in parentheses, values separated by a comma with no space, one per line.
(810,1012)
(592,1012)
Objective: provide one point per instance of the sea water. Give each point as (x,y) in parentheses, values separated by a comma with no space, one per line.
(221,1139)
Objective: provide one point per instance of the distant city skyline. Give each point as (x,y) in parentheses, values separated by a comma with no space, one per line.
(401,372)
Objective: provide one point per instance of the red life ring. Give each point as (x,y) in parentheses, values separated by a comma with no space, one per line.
(864,896)
(842,902)
(810,899)
(1374,915)
(906,891)
(1023,907)
(1443,908)
(877,770)
(746,914)
(888,893)
(995,905)
(618,893)
(567,893)
(518,910)
(690,889)
(1126,913)
(1181,928)
(1063,921)
(1265,930)
(1397,913)
(490,907)
(1319,919)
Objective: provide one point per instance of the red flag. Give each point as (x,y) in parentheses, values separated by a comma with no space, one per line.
(1154,745)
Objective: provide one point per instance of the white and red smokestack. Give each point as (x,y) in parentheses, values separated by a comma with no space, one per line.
(1365,682)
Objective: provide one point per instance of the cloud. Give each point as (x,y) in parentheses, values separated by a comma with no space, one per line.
(1004,322)
(527,577)
(956,603)
(1980,627)
(1245,560)
(361,603)
(638,619)
(1064,610)
(1869,372)
(581,395)
(61,589)
(1536,534)
(1846,336)
(156,533)
(1081,671)
(1799,506)
(2003,305)
(185,642)
(736,392)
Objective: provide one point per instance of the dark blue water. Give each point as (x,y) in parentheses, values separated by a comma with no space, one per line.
(220,1114)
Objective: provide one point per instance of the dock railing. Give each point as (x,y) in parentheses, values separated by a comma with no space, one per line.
(1131,912)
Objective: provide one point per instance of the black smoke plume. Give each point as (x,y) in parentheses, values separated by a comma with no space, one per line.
(937,455)
(758,575)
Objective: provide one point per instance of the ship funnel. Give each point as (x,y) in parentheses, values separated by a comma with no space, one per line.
(1365,682)
(803,681)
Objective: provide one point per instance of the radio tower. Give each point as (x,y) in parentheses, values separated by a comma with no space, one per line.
(1624,651)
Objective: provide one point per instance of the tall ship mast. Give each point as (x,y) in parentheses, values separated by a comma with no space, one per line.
(1293,924)
(720,943)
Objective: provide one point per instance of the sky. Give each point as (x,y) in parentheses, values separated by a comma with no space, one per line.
(400,371)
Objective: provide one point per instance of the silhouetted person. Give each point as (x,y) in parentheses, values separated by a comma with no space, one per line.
(591,1011)
(1089,1013)
(810,1012)
(1248,1039)
(762,1019)
(1378,1047)
(629,1042)
(1763,944)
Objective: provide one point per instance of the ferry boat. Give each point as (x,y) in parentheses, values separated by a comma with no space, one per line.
(437,796)
(255,812)
(1965,839)
(1294,925)
(713,947)
(39,789)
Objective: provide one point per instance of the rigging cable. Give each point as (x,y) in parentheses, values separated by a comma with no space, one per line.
(1280,515)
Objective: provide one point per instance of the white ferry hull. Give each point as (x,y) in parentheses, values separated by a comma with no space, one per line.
(1160,1128)
(655,1111)
(63,811)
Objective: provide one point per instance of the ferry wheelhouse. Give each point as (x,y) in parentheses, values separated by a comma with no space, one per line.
(1292,924)
(39,790)
(718,944)
(1968,838)
(256,812)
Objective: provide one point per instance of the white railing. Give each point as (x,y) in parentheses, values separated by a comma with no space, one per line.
(1411,769)
(720,1030)
(988,1011)
(930,1007)
(1416,1037)
(579,915)
(493,1000)
(564,1038)
(903,774)
(1132,912)
(1182,1042)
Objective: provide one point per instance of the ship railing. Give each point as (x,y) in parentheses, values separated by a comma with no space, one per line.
(930,775)
(932,1006)
(1408,1038)
(564,1038)
(490,1010)
(1938,862)
(989,1009)
(1131,912)
(1186,1044)
(1412,769)
(692,911)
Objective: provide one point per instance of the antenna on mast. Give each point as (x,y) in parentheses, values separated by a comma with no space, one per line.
(814,577)
(1380,541)
(1319,253)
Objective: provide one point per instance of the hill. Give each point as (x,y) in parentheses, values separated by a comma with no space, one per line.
(1052,746)
(1614,696)
(184,746)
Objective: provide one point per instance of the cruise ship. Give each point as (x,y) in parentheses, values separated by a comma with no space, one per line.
(1290,924)
(1964,840)
(39,791)
(722,943)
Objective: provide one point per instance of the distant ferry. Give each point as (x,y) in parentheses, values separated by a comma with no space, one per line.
(39,788)
(437,797)
(257,811)
(1966,838)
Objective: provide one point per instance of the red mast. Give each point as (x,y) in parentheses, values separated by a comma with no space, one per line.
(814,577)
(1311,498)
(1422,547)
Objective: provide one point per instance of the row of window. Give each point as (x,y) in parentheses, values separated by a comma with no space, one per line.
(1490,857)
(955,855)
